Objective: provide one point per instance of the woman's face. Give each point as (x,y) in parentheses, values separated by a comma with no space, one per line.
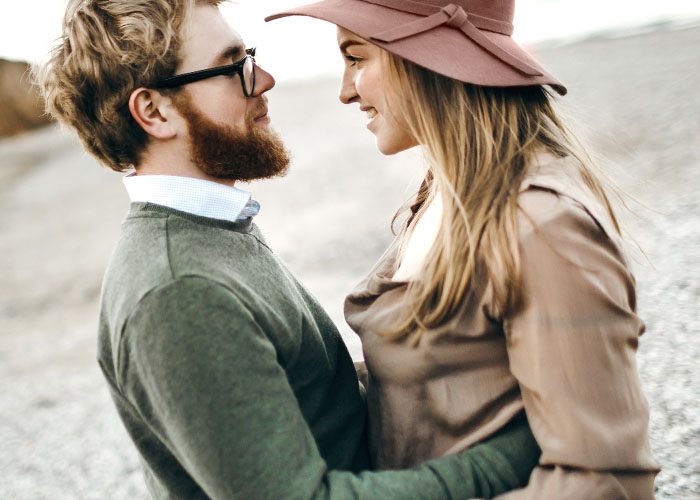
(363,83)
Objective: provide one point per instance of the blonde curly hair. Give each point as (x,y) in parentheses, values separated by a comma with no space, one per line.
(107,49)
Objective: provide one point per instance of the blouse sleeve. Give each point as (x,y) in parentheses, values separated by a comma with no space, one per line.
(572,348)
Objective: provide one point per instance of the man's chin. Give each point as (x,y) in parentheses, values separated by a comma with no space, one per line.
(224,152)
(258,154)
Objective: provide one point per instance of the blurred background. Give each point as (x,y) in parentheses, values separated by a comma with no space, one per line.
(633,72)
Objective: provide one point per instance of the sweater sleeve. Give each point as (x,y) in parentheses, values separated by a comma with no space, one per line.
(206,379)
(572,348)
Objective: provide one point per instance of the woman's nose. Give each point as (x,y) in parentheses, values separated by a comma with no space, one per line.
(348,93)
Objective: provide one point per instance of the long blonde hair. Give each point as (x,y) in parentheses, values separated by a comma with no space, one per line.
(479,142)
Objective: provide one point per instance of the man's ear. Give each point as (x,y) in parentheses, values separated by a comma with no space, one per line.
(154,112)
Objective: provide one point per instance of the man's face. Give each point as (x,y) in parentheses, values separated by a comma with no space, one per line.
(229,134)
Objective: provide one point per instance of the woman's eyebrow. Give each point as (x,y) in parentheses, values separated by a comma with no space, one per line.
(348,43)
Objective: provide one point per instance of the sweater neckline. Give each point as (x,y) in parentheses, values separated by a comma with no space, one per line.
(140,209)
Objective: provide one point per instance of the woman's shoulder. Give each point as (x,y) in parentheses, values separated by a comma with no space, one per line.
(569,244)
(554,196)
(558,212)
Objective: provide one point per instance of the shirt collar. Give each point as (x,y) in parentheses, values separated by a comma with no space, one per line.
(194,196)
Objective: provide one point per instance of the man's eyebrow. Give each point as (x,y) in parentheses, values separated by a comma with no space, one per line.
(230,53)
(348,43)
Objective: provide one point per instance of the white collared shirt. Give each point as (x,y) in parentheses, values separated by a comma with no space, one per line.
(194,196)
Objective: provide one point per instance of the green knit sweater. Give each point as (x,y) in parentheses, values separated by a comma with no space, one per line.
(233,383)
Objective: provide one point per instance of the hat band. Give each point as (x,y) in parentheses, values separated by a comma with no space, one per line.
(424,9)
(453,16)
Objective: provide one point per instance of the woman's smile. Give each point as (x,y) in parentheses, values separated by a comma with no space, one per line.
(371,114)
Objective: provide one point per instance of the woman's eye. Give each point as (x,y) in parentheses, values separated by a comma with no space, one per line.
(352,59)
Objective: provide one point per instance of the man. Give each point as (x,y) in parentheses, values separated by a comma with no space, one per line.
(230,379)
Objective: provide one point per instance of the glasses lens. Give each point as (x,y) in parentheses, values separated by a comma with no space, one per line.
(249,75)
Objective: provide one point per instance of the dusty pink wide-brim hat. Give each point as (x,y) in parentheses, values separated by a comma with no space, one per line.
(468,40)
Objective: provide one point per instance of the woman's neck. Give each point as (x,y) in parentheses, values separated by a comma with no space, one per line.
(420,240)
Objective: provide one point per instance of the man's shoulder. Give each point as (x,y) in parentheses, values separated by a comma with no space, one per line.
(159,247)
(157,244)
(139,260)
(155,267)
(138,265)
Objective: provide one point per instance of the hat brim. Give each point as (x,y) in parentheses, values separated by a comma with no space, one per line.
(445,50)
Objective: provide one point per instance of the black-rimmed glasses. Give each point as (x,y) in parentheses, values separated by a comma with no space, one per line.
(245,68)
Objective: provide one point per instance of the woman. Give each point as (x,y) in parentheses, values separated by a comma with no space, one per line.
(507,290)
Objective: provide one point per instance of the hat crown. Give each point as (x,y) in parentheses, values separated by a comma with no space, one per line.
(501,10)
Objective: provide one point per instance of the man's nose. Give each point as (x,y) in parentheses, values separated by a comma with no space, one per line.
(264,81)
(348,93)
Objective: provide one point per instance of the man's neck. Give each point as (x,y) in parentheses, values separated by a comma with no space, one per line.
(176,164)
(173,158)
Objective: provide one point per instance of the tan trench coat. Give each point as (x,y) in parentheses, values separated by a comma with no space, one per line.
(567,358)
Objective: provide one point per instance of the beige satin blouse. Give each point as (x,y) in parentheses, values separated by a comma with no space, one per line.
(567,357)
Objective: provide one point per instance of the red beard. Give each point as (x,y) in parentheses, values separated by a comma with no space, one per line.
(223,152)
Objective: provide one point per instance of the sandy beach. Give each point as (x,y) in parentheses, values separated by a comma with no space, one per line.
(637,99)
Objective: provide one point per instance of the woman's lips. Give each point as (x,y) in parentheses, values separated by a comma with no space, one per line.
(371,114)
(370,110)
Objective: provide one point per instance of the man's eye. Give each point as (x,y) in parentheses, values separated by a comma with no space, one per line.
(352,59)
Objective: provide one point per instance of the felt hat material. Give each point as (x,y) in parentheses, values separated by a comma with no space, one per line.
(468,40)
